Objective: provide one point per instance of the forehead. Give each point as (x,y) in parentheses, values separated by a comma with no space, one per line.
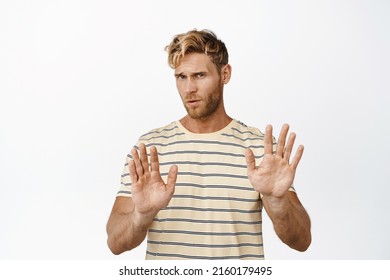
(195,62)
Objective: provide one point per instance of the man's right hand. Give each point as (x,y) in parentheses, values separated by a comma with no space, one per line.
(149,192)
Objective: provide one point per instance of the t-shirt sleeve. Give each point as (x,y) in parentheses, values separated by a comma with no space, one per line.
(125,187)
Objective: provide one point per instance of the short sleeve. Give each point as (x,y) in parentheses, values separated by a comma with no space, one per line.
(125,187)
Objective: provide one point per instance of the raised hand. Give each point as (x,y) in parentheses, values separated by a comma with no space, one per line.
(275,174)
(150,193)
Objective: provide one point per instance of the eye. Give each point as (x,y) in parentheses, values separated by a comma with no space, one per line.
(180,77)
(200,75)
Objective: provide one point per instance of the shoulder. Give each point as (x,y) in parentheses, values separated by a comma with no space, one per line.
(160,132)
(244,131)
(156,137)
(162,135)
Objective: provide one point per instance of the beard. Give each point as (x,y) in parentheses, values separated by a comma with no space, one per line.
(209,105)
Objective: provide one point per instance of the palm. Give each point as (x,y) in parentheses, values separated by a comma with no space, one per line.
(150,193)
(275,175)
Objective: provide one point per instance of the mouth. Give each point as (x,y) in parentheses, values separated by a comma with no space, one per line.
(193,102)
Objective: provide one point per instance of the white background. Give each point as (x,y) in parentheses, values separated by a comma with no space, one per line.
(81,80)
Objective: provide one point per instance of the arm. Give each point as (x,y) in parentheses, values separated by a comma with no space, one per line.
(124,232)
(273,179)
(291,221)
(131,217)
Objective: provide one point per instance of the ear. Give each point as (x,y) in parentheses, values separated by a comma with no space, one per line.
(226,73)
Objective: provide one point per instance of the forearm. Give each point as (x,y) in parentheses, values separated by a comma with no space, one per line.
(291,221)
(125,231)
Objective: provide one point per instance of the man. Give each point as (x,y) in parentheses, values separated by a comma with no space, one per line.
(196,187)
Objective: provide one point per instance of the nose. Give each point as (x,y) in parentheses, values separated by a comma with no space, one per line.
(190,86)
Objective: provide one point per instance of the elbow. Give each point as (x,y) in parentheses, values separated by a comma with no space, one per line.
(115,252)
(307,244)
(119,246)
(113,247)
(302,244)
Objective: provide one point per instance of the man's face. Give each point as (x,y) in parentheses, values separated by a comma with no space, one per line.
(200,85)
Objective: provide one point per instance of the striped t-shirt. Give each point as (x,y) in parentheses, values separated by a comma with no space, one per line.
(215,213)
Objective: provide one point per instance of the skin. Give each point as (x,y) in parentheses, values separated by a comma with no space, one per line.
(272,179)
(200,85)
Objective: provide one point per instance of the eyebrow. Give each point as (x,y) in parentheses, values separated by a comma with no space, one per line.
(192,74)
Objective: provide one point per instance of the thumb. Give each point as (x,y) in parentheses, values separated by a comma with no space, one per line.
(172,176)
(250,160)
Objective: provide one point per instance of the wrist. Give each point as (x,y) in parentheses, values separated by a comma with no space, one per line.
(142,221)
(276,204)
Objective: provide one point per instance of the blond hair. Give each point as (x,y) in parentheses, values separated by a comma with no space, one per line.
(194,41)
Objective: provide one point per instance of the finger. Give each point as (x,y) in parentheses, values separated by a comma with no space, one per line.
(250,160)
(143,157)
(133,173)
(268,140)
(172,176)
(297,157)
(138,166)
(154,163)
(289,146)
(282,140)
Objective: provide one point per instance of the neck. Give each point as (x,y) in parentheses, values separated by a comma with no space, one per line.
(208,124)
